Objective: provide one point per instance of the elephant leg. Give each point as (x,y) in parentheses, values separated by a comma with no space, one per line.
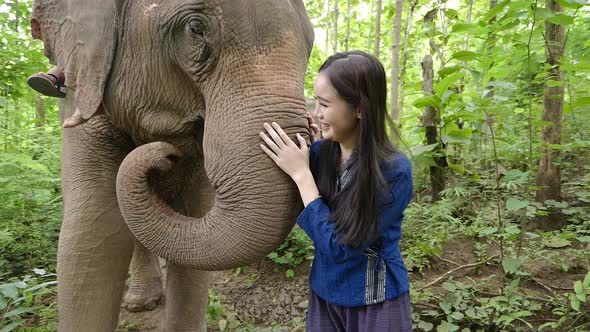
(187,288)
(186,299)
(95,244)
(145,284)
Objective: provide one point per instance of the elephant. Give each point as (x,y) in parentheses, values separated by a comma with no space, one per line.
(173,95)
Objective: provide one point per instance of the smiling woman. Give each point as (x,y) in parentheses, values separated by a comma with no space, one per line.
(355,186)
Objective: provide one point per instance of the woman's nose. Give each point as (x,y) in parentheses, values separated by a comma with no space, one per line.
(316,112)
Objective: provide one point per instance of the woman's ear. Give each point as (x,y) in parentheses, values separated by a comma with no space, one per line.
(359,114)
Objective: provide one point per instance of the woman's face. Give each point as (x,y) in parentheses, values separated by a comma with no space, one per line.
(338,121)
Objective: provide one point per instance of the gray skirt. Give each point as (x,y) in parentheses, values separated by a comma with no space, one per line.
(392,316)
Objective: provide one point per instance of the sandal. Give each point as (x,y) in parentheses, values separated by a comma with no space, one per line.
(41,83)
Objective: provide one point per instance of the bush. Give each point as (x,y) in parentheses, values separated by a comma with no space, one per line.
(31,212)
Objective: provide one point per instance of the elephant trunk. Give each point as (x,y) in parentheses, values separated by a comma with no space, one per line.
(255,204)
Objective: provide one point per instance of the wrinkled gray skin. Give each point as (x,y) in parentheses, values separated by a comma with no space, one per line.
(175,94)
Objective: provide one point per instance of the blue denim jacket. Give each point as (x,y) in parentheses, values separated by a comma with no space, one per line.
(355,276)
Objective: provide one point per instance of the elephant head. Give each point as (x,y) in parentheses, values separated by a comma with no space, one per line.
(191,79)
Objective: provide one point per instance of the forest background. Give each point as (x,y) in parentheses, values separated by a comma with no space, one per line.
(489,99)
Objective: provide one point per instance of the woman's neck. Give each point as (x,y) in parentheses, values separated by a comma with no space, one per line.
(347,148)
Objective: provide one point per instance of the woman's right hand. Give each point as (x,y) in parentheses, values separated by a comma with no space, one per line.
(314,130)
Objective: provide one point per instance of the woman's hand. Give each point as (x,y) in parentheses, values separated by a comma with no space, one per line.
(314,130)
(292,159)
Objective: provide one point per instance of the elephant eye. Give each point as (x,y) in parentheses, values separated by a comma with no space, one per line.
(196,28)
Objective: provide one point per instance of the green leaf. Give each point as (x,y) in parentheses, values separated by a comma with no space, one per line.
(18,311)
(556,242)
(552,83)
(586,281)
(495,10)
(9,290)
(488,231)
(579,289)
(432,101)
(425,326)
(472,29)
(420,149)
(465,56)
(446,327)
(461,136)
(446,71)
(444,84)
(457,316)
(543,13)
(457,168)
(12,326)
(511,264)
(581,101)
(513,204)
(561,19)
(222,325)
(573,4)
(575,303)
(289,273)
(512,230)
(446,307)
(449,286)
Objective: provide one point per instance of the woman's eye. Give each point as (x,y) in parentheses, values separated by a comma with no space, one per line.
(323,105)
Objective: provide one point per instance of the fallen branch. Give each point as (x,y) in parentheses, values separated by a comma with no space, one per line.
(430,284)
(551,287)
(446,260)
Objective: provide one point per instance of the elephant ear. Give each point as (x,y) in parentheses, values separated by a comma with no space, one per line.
(305,22)
(94,26)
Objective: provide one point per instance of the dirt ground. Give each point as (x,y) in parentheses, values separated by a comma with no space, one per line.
(263,296)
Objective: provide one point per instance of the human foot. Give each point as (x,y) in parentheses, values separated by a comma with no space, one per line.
(46,85)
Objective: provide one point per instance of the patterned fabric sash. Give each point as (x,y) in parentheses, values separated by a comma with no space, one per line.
(347,171)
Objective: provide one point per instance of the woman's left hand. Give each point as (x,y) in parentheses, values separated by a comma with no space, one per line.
(292,159)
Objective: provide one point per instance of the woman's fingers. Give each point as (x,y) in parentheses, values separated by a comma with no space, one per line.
(302,142)
(315,130)
(269,153)
(274,135)
(283,135)
(274,147)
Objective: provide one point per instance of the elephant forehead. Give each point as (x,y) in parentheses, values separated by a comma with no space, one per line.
(256,23)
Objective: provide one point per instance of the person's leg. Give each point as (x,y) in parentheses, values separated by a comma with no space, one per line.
(320,315)
(58,76)
(393,315)
(48,84)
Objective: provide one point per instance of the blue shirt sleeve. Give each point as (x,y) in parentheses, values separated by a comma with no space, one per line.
(314,219)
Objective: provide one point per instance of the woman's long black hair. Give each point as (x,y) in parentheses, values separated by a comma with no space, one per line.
(359,79)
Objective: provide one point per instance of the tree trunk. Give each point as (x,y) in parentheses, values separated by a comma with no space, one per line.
(492,41)
(409,15)
(39,134)
(347,39)
(40,112)
(469,13)
(327,27)
(397,23)
(549,178)
(336,12)
(377,29)
(429,122)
